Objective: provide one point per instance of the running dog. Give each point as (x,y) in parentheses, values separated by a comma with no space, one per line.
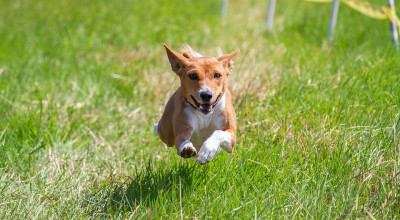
(199,118)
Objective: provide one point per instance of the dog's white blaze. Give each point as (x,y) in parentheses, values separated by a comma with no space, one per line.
(205,88)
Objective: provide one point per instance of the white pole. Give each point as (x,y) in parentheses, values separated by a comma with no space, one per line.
(393,27)
(270,14)
(224,8)
(334,14)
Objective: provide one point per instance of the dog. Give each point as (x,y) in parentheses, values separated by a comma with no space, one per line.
(199,118)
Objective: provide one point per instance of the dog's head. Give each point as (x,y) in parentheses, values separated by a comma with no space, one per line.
(203,79)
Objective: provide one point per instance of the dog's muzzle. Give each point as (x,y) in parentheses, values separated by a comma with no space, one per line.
(205,108)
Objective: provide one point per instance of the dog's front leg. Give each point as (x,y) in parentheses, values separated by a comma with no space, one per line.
(183,145)
(214,144)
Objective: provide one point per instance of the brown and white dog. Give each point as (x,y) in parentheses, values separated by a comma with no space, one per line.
(199,118)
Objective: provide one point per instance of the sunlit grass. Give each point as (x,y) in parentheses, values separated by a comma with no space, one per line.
(82,82)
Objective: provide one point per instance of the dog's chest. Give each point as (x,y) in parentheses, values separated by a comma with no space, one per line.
(204,125)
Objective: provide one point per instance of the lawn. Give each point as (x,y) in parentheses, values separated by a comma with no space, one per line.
(82,83)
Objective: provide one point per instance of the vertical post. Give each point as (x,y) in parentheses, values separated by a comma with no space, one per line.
(270,14)
(393,27)
(334,14)
(224,8)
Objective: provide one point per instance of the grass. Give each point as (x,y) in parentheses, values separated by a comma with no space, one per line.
(82,82)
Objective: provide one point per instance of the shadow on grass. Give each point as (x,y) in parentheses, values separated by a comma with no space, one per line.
(150,183)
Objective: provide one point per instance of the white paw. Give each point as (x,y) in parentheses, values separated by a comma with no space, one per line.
(187,150)
(207,152)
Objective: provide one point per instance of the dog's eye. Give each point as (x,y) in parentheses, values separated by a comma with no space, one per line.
(217,76)
(193,77)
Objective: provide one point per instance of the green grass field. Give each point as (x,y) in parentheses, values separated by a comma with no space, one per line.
(82,82)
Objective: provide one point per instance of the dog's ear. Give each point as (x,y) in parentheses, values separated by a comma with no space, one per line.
(226,61)
(178,62)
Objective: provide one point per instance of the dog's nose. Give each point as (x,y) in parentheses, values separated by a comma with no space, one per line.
(206,96)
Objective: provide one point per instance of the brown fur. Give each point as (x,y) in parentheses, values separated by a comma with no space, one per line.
(173,127)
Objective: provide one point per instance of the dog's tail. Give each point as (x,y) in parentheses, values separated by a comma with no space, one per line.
(188,52)
(155,127)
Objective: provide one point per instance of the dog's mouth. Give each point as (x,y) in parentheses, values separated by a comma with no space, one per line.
(207,107)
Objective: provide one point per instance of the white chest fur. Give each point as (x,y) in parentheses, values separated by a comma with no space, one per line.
(204,125)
